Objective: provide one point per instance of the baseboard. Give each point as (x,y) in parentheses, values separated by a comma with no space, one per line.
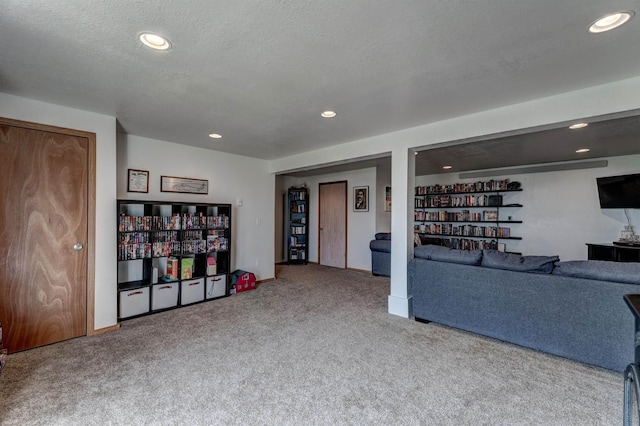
(266,280)
(104,330)
(359,270)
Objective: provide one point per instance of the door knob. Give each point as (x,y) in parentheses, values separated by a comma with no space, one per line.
(77,246)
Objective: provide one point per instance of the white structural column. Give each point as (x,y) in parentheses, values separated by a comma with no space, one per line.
(402,183)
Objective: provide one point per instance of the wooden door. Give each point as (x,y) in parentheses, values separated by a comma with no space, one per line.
(43,235)
(332,235)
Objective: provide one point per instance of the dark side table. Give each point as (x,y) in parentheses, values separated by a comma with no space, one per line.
(632,372)
(613,252)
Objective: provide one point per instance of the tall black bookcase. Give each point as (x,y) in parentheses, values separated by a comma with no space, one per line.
(297,226)
(171,254)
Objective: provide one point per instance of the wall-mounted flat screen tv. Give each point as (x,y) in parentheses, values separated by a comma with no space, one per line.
(619,192)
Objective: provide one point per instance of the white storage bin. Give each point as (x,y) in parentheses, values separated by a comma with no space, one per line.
(216,286)
(164,296)
(191,291)
(134,302)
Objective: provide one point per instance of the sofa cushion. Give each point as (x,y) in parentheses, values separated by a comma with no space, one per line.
(514,262)
(602,270)
(380,246)
(445,254)
(383,236)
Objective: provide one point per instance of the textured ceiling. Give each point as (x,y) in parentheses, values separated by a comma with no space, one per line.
(260,72)
(605,137)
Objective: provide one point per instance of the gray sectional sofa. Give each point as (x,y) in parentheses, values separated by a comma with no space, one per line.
(572,309)
(381,254)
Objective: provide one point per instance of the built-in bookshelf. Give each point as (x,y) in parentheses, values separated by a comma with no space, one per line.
(468,216)
(171,254)
(297,226)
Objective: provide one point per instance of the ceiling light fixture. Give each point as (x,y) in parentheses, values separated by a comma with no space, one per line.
(582,150)
(328,114)
(447,167)
(155,41)
(215,135)
(578,126)
(611,21)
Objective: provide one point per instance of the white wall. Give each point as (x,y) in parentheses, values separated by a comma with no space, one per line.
(561,211)
(279,190)
(105,129)
(231,178)
(361,226)
(383,218)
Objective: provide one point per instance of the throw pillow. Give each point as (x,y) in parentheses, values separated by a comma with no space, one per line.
(514,262)
(445,254)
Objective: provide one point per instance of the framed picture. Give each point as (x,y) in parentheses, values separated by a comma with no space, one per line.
(387,198)
(360,198)
(186,185)
(138,181)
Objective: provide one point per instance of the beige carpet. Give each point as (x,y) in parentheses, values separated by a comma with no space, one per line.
(315,347)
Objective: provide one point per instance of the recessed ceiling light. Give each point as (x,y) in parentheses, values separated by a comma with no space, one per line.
(215,135)
(328,114)
(447,167)
(155,41)
(582,150)
(416,153)
(611,21)
(578,126)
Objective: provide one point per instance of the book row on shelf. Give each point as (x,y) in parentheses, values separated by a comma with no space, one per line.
(464,230)
(466,244)
(462,216)
(294,241)
(163,249)
(451,201)
(298,229)
(296,254)
(140,237)
(491,185)
(297,208)
(176,221)
(297,195)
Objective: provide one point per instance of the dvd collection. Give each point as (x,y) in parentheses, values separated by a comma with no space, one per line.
(452,201)
(461,216)
(464,230)
(295,242)
(491,185)
(297,208)
(134,251)
(176,221)
(148,223)
(297,229)
(297,195)
(136,242)
(465,244)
